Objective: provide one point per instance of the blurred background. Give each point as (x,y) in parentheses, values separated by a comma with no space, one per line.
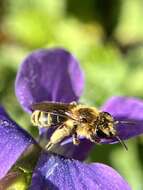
(107,39)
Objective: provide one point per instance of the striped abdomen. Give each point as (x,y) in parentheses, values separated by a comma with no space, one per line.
(45,119)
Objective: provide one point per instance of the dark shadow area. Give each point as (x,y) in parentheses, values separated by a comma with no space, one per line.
(140,152)
(50,186)
(7,77)
(102,153)
(106,13)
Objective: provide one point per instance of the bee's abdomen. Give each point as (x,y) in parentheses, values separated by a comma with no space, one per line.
(45,119)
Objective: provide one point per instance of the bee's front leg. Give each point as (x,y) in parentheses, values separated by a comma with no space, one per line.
(95,139)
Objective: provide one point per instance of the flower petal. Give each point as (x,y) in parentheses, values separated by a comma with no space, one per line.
(13,142)
(52,75)
(79,152)
(126,109)
(57,173)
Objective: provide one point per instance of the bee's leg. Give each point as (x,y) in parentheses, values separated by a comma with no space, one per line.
(75,139)
(58,135)
(94,139)
(73,103)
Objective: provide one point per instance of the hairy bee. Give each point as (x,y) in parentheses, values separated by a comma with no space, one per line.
(74,120)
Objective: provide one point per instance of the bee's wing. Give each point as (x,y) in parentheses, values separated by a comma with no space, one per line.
(57,108)
(52,106)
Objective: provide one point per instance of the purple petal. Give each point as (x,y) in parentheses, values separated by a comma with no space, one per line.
(52,75)
(126,109)
(79,152)
(57,173)
(3,112)
(13,142)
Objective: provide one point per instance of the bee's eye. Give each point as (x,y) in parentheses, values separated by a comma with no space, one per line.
(101,134)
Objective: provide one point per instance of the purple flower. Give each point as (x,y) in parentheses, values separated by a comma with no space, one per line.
(55,75)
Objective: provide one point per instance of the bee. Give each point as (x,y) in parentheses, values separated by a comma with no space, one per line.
(74,120)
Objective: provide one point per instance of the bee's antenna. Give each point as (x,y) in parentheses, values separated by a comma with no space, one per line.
(123,122)
(122,142)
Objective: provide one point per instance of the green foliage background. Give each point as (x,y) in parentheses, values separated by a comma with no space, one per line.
(105,36)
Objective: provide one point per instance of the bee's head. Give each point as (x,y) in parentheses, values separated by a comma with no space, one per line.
(105,125)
